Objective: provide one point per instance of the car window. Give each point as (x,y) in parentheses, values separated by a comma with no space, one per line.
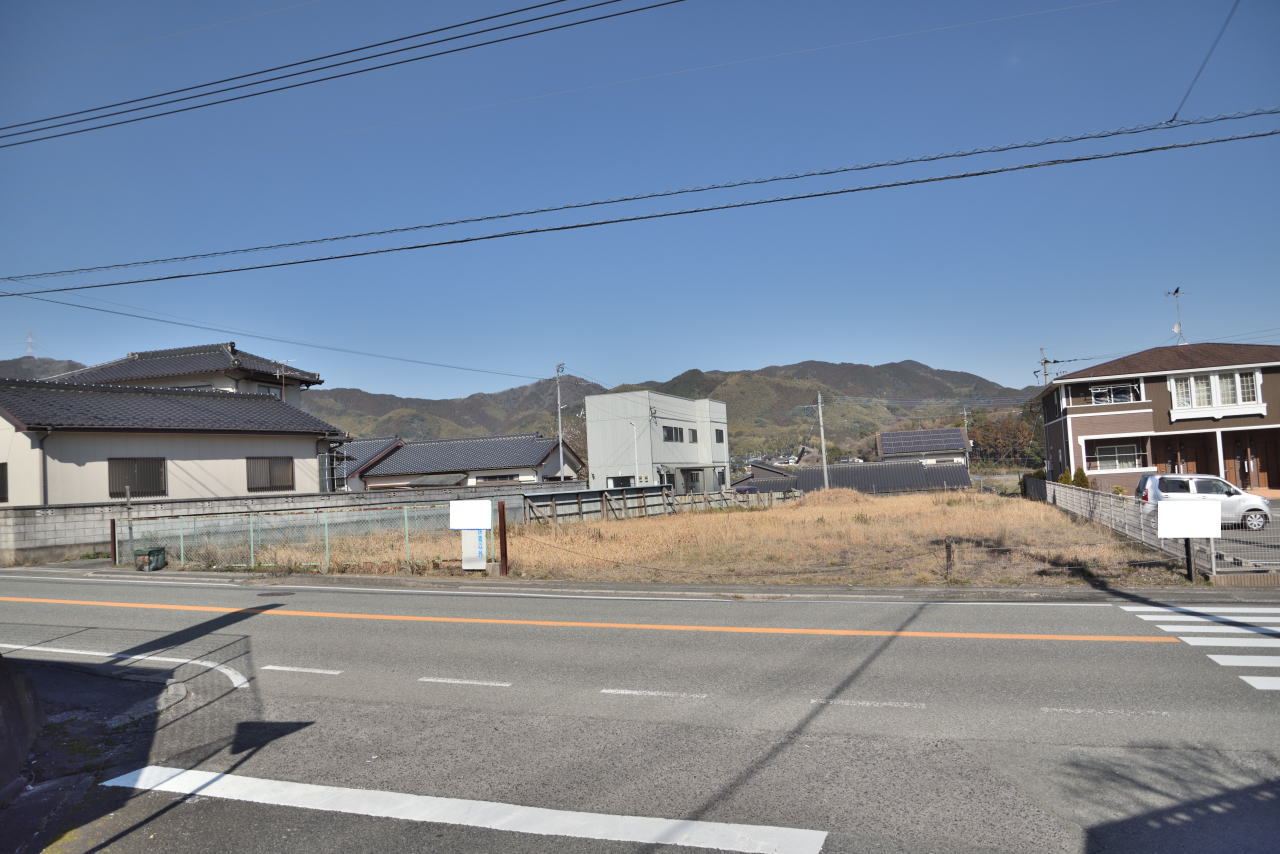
(1212,487)
(1173,484)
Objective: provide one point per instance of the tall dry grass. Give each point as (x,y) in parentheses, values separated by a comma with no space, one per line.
(833,537)
(840,536)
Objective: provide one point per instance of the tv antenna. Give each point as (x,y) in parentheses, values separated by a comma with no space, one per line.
(1176,293)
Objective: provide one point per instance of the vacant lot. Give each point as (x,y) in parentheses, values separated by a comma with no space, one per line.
(844,537)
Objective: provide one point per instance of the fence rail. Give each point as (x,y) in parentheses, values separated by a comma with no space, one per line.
(1237,550)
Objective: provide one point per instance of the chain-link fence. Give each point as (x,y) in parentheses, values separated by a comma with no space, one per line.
(326,539)
(1238,549)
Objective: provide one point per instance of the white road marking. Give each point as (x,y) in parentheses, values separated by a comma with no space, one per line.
(1211,609)
(1224,630)
(1128,713)
(483,684)
(79,580)
(1202,641)
(1263,683)
(485,814)
(1247,660)
(630,693)
(302,670)
(1174,618)
(503,593)
(870,704)
(236,677)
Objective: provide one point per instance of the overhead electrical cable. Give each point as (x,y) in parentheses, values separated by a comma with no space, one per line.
(795,176)
(458,241)
(249,74)
(278,340)
(345,73)
(1205,62)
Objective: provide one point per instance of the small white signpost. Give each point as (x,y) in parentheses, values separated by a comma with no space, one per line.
(1187,519)
(474,518)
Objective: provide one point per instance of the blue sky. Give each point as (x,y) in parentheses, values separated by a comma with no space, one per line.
(972,275)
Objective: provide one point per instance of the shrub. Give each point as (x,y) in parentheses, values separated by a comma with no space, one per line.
(1118,490)
(1065,477)
(1080,479)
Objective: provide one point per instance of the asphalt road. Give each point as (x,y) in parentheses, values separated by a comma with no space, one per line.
(818,724)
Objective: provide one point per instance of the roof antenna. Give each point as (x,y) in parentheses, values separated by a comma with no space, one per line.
(1176,293)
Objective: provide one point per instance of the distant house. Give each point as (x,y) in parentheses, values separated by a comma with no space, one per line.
(63,443)
(1192,409)
(476,461)
(948,445)
(871,478)
(356,457)
(642,438)
(206,367)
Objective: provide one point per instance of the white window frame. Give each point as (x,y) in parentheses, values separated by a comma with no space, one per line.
(1216,409)
(1137,385)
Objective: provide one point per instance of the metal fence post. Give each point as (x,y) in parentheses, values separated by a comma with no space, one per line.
(251,556)
(502,538)
(406,536)
(325,518)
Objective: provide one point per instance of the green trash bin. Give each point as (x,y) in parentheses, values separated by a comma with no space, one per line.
(149,560)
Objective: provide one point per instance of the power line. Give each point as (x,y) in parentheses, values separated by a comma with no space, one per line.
(291,341)
(653,216)
(343,74)
(1207,57)
(794,176)
(279,67)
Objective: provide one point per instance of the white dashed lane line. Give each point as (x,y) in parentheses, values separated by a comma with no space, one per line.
(314,670)
(629,692)
(475,682)
(1251,626)
(872,704)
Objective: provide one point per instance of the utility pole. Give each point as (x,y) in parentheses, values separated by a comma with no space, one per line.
(1045,362)
(822,437)
(559,422)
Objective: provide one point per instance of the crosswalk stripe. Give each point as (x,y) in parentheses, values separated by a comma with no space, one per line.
(1247,660)
(1181,618)
(1224,630)
(1263,683)
(1190,609)
(1203,641)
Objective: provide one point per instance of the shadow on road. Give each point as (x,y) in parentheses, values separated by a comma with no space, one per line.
(762,762)
(102,721)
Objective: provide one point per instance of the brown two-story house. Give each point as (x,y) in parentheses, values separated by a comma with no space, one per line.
(1191,408)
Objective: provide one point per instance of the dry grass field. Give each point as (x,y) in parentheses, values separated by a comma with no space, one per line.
(844,537)
(835,537)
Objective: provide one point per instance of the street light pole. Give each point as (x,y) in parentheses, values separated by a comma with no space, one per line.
(822,437)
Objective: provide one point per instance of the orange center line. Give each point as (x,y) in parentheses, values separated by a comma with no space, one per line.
(755,630)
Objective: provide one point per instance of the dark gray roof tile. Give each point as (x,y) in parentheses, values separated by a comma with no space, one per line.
(524,450)
(39,404)
(182,361)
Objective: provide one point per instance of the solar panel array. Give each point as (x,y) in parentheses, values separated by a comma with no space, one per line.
(922,441)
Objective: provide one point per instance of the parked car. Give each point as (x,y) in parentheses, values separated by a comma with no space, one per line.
(1238,507)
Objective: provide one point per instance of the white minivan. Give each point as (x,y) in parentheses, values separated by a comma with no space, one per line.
(1238,507)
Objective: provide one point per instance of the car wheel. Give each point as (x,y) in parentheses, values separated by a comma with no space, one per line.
(1254,520)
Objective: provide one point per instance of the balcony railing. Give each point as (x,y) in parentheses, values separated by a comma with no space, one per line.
(1116,462)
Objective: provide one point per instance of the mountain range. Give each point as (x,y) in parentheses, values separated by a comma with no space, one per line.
(771,409)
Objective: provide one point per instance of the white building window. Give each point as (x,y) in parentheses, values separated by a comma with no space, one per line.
(1216,395)
(693,436)
(1115,457)
(672,434)
(1122,393)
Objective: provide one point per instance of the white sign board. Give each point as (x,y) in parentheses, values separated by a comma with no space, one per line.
(471,515)
(1178,519)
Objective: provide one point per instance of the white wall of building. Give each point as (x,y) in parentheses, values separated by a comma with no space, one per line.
(222,382)
(196,465)
(626,439)
(19,452)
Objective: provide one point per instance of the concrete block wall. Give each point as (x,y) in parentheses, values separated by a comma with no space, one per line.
(30,535)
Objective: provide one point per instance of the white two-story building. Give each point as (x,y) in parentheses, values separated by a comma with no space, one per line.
(645,438)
